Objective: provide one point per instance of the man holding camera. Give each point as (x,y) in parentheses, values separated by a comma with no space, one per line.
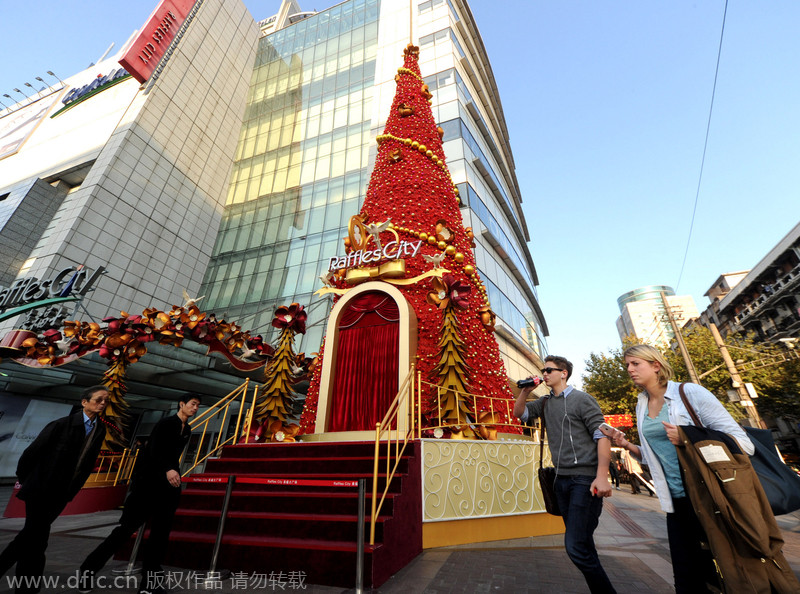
(581,455)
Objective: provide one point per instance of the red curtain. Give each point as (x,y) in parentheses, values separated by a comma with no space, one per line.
(365,379)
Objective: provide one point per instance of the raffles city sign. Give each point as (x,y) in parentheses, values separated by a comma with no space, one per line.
(368,258)
(29,293)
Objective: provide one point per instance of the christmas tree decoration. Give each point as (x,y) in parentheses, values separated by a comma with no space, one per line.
(449,295)
(122,342)
(276,396)
(410,234)
(116,406)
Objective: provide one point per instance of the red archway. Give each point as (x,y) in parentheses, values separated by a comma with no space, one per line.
(365,379)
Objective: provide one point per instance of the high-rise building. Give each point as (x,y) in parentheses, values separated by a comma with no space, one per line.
(643,314)
(320,92)
(140,173)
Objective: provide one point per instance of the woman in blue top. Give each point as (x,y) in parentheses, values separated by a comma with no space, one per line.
(659,412)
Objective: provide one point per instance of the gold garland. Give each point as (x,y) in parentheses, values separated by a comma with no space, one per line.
(439,272)
(449,250)
(404,70)
(422,149)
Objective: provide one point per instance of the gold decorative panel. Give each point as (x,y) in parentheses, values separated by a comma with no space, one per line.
(479,479)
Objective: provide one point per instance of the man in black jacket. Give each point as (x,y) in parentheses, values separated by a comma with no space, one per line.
(154,496)
(51,471)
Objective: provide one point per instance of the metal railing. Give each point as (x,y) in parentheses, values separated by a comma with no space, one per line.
(489,407)
(396,430)
(395,444)
(221,412)
(113,469)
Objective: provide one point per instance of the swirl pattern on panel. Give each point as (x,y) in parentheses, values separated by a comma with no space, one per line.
(468,479)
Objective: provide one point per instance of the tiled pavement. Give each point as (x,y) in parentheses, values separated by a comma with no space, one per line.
(631,540)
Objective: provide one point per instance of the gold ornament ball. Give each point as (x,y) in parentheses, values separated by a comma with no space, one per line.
(431,240)
(459,257)
(423,236)
(422,148)
(450,251)
(429,153)
(407,141)
(469,269)
(415,144)
(441,245)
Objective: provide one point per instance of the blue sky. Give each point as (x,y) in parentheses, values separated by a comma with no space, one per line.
(607,105)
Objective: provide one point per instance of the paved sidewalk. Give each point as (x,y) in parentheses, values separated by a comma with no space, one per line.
(631,539)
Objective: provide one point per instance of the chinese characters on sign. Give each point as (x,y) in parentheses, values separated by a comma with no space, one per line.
(146,51)
(197,581)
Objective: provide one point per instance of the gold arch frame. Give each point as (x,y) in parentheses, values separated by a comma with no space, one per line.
(407,348)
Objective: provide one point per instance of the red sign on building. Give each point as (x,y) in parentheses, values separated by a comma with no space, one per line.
(146,51)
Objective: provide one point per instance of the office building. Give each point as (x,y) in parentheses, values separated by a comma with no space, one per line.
(228,168)
(320,94)
(643,314)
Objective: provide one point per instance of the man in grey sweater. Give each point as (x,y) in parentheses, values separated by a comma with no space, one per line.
(581,455)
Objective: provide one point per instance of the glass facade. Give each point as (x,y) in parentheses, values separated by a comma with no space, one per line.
(300,169)
(303,161)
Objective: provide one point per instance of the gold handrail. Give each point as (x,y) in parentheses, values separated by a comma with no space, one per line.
(392,418)
(221,407)
(492,405)
(113,468)
(412,391)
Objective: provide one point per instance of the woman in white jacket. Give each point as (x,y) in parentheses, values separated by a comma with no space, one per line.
(659,412)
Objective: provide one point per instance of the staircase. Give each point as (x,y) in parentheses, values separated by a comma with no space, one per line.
(294,528)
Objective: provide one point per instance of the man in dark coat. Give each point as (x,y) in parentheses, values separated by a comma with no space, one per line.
(155,494)
(52,470)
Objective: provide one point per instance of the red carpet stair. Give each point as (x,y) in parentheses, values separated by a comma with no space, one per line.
(285,529)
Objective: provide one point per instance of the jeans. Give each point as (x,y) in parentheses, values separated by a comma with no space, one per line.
(581,512)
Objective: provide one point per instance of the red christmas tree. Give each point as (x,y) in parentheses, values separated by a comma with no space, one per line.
(411,187)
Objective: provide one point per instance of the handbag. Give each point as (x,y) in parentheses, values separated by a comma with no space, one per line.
(547,476)
(780,483)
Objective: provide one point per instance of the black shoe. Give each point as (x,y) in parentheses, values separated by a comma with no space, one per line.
(86,582)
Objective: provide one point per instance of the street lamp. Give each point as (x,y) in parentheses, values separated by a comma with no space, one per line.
(51,73)
(38,93)
(41,80)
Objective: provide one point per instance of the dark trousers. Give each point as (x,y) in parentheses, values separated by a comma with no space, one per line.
(145,502)
(692,565)
(581,512)
(27,550)
(612,472)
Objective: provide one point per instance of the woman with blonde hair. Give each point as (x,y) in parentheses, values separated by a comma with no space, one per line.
(659,413)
